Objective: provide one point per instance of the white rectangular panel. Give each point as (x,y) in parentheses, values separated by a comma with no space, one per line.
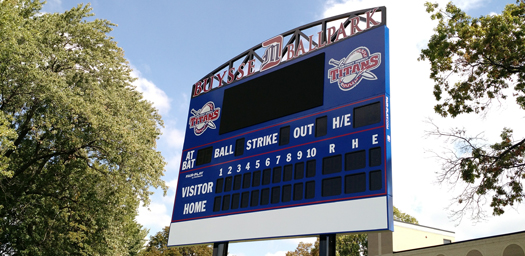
(337,217)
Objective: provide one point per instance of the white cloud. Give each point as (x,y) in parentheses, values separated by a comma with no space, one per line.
(170,197)
(279,253)
(173,137)
(310,240)
(184,102)
(155,216)
(52,6)
(151,92)
(173,163)
(466,5)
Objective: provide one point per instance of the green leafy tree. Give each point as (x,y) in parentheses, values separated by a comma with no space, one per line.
(347,245)
(350,245)
(404,217)
(158,245)
(303,249)
(7,136)
(476,62)
(78,141)
(8,31)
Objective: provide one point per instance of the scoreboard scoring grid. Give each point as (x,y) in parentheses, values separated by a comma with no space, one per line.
(305,141)
(252,189)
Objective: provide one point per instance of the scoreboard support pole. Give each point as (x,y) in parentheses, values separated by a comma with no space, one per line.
(220,249)
(327,245)
(380,243)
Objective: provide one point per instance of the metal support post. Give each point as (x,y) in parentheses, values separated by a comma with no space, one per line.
(220,249)
(327,245)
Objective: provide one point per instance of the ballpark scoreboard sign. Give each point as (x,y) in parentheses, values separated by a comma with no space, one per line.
(274,47)
(291,138)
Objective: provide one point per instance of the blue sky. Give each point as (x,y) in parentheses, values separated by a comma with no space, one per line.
(172,44)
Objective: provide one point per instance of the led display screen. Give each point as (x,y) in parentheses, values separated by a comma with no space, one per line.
(289,90)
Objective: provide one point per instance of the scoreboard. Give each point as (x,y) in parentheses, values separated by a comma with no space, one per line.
(291,143)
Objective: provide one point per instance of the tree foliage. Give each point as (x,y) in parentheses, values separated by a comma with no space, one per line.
(347,245)
(158,245)
(77,152)
(305,249)
(476,62)
(404,217)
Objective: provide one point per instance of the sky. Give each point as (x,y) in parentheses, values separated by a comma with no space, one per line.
(172,44)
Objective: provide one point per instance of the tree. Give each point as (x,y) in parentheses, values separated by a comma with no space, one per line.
(7,136)
(303,249)
(476,62)
(347,245)
(79,155)
(404,217)
(351,245)
(158,245)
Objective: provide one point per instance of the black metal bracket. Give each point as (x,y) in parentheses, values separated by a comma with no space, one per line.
(220,249)
(327,245)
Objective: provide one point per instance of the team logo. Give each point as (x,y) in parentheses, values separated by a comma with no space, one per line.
(272,54)
(204,117)
(348,72)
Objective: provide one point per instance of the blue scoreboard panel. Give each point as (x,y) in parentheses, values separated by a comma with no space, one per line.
(302,148)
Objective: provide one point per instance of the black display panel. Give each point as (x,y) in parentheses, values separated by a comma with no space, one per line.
(247,180)
(265,196)
(331,186)
(367,115)
(310,168)
(239,147)
(219,186)
(321,126)
(277,174)
(274,95)
(284,135)
(288,172)
(376,182)
(235,201)
(217,204)
(204,156)
(332,164)
(237,182)
(355,160)
(287,193)
(267,175)
(228,184)
(226,203)
(375,156)
(245,199)
(255,198)
(355,183)
(276,195)
(299,170)
(298,191)
(256,179)
(310,189)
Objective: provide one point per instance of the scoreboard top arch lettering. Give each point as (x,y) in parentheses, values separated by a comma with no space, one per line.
(331,30)
(294,130)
